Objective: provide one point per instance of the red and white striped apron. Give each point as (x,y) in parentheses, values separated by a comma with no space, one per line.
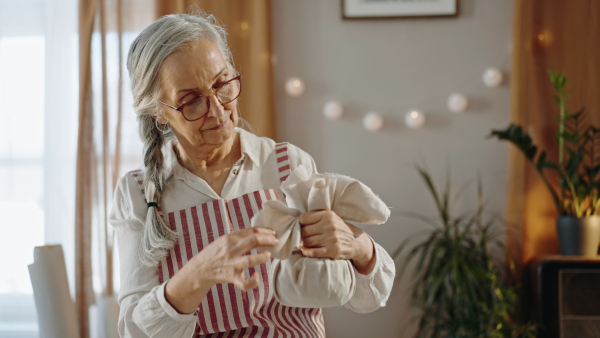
(227,311)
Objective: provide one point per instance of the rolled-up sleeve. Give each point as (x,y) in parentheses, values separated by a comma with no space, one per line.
(144,311)
(373,290)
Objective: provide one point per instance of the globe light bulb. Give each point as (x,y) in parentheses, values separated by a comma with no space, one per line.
(294,87)
(333,110)
(458,103)
(414,119)
(492,77)
(373,122)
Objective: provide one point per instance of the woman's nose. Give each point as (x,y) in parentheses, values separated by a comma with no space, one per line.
(215,108)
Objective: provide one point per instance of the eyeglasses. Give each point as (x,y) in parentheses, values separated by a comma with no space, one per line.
(197,107)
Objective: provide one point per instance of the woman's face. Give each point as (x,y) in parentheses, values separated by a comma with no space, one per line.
(197,68)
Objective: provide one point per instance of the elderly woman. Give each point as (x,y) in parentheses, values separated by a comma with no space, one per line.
(189,264)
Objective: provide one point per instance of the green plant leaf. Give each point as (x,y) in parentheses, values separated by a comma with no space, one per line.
(443,211)
(515,135)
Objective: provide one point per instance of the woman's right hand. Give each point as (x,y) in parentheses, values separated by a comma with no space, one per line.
(225,259)
(222,261)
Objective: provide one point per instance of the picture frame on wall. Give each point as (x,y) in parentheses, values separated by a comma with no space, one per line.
(371,9)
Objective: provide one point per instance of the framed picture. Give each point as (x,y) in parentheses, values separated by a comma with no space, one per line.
(366,9)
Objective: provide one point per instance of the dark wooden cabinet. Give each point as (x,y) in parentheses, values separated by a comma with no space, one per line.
(567,296)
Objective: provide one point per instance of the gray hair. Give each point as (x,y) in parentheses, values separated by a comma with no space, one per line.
(147,53)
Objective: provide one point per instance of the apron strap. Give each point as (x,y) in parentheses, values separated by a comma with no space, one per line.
(283,160)
(138,175)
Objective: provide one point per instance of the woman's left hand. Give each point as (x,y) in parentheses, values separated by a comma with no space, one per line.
(326,235)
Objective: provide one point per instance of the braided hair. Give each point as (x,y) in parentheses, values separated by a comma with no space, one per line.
(148,51)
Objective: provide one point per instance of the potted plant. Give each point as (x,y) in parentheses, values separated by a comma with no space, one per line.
(459,287)
(576,191)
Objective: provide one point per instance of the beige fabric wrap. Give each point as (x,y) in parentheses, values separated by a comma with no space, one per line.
(315,282)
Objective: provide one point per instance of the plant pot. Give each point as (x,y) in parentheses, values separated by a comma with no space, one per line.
(578,236)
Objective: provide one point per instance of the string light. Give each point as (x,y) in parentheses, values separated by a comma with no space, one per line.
(492,77)
(333,110)
(458,103)
(373,121)
(294,87)
(414,119)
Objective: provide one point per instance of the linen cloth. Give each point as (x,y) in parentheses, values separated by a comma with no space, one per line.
(315,282)
(144,309)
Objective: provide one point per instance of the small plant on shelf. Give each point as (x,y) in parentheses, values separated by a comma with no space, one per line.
(578,166)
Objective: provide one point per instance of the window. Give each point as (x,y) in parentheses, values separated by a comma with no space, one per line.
(38,134)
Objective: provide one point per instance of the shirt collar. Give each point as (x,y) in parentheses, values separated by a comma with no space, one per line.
(250,147)
(249,144)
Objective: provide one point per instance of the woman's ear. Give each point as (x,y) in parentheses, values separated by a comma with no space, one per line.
(160,118)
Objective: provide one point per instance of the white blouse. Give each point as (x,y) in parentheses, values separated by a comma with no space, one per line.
(144,311)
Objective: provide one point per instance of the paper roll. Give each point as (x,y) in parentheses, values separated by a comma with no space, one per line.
(55,308)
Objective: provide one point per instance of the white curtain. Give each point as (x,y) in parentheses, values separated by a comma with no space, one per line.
(38,137)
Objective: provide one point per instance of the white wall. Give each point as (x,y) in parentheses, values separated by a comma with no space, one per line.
(390,66)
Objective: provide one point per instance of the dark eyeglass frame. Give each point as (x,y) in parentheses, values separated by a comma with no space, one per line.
(214,93)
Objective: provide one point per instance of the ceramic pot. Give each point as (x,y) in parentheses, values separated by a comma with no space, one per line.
(578,236)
